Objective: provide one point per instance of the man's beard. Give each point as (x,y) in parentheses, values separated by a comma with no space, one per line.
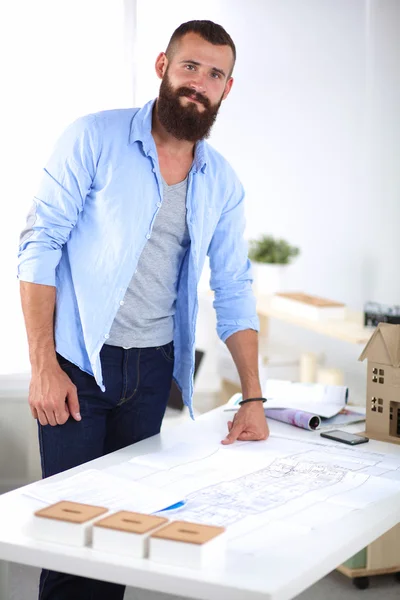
(185,122)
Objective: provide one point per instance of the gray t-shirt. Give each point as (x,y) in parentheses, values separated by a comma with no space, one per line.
(145,319)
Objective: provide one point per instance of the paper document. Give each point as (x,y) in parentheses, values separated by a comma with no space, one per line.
(102,489)
(177,455)
(344,417)
(272,480)
(323,400)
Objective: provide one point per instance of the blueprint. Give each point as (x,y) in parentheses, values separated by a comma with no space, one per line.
(293,486)
(283,481)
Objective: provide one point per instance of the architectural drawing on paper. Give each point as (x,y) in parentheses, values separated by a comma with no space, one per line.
(282,481)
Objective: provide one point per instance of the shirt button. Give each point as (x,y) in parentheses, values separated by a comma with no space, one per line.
(158,204)
(148,236)
(106,336)
(135,271)
(122,303)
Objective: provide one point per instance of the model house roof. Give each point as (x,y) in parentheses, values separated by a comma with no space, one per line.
(384,345)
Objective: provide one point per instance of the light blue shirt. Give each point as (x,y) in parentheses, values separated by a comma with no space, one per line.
(94,212)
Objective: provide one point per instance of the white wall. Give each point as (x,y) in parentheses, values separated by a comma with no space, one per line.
(383,145)
(312,128)
(59,60)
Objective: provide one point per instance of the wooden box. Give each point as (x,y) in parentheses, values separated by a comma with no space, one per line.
(65,523)
(188,545)
(126,533)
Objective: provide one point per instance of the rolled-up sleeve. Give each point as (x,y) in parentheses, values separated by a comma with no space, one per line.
(66,181)
(231,276)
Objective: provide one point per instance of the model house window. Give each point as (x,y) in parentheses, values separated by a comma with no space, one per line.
(381,380)
(380,409)
(374,378)
(373,404)
(381,372)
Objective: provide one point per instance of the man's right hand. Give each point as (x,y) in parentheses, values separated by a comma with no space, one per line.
(53,397)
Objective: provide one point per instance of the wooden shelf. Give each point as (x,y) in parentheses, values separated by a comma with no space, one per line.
(349,330)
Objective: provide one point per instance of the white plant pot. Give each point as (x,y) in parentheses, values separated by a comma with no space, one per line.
(268,278)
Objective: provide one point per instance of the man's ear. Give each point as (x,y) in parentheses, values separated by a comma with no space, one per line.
(161,65)
(228,87)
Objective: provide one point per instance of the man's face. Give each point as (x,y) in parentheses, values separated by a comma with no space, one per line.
(194,83)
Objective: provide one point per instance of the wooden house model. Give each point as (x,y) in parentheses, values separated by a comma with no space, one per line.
(383,383)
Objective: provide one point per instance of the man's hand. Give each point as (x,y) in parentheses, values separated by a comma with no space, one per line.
(249,423)
(53,397)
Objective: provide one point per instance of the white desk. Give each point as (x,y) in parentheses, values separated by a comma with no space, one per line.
(279,575)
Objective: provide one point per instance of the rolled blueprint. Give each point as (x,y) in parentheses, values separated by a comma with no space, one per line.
(299,418)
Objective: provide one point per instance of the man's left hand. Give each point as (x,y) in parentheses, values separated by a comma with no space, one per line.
(249,423)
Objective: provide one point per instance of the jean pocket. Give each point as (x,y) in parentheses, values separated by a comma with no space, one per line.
(64,362)
(168,351)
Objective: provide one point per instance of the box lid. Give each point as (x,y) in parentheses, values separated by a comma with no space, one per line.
(191,533)
(71,512)
(131,522)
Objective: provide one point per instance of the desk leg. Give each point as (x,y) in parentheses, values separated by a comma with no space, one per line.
(4,591)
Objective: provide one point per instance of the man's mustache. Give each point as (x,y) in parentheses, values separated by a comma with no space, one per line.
(186,91)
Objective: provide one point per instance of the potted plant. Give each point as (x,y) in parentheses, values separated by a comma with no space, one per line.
(269,257)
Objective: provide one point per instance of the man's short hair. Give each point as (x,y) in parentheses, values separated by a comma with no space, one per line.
(209,31)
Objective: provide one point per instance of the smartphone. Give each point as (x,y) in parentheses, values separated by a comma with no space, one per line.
(343,436)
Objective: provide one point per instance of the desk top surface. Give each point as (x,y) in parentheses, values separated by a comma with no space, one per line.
(279,574)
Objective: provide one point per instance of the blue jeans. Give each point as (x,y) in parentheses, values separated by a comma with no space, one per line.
(138,383)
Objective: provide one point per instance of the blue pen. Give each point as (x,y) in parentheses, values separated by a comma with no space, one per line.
(177,505)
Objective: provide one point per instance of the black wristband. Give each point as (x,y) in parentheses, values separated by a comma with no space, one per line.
(252,400)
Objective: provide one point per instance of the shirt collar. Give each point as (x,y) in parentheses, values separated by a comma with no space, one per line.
(141,132)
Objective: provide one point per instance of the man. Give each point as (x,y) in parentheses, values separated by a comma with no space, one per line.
(131,203)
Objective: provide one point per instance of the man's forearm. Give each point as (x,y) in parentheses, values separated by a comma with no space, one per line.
(38,302)
(243,345)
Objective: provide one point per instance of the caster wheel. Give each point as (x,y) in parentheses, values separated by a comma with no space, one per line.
(361,583)
(397,576)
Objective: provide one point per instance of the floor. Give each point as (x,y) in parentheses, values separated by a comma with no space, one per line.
(23,586)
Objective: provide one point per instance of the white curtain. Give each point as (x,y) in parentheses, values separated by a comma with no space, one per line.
(59,60)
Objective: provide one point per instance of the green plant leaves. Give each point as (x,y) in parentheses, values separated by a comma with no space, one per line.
(267,249)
